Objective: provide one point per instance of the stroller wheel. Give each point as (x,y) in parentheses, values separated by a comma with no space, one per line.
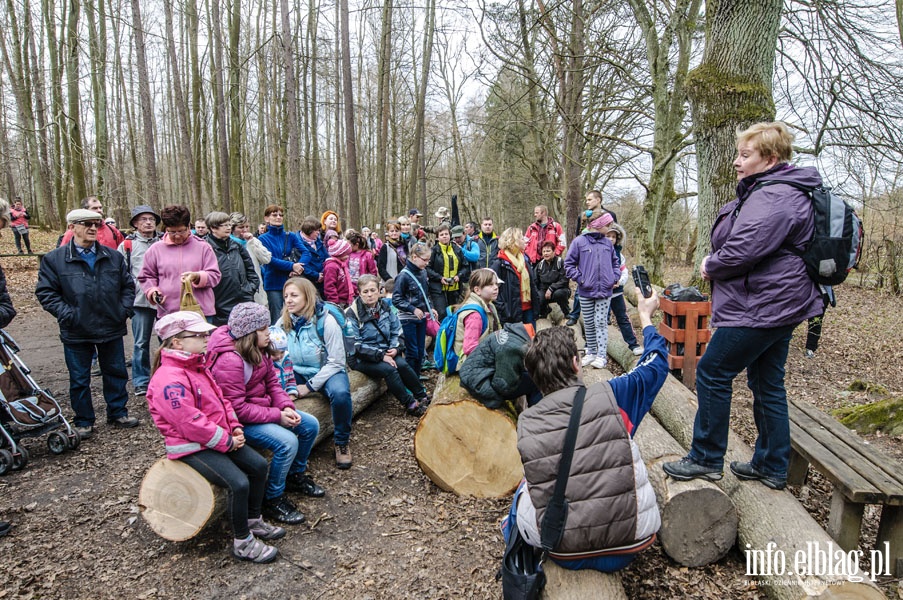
(57,442)
(74,440)
(6,461)
(21,459)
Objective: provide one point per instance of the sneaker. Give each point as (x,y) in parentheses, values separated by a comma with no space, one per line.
(747,472)
(588,360)
(141,390)
(423,401)
(264,531)
(254,550)
(600,363)
(686,469)
(304,484)
(572,321)
(281,509)
(424,377)
(427,365)
(810,354)
(415,409)
(342,456)
(84,431)
(125,422)
(637,351)
(96,372)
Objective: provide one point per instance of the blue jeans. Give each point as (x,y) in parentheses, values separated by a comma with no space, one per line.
(414,342)
(620,309)
(142,328)
(111,357)
(337,390)
(290,448)
(274,302)
(575,313)
(403,382)
(763,353)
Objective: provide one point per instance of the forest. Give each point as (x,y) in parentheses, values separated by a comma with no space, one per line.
(373,108)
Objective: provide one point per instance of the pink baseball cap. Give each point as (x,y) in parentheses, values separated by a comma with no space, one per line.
(177,322)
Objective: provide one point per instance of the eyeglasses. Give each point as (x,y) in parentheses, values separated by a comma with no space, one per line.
(206,334)
(146,219)
(90,224)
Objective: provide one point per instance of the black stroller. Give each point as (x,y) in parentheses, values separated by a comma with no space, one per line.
(26,410)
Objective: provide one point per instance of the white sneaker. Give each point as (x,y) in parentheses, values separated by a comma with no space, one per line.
(588,359)
(638,351)
(599,363)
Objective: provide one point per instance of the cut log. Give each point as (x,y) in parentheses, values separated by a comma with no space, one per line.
(699,521)
(771,522)
(562,584)
(466,448)
(578,332)
(177,502)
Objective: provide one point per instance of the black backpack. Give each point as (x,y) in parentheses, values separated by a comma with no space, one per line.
(836,243)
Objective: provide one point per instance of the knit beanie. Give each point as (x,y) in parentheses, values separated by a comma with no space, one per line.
(279,340)
(339,248)
(246,318)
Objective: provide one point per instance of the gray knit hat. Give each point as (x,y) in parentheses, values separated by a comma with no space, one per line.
(246,318)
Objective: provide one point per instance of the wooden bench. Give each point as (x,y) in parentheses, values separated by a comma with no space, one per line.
(861,475)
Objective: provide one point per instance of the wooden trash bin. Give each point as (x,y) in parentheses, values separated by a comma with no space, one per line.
(685,326)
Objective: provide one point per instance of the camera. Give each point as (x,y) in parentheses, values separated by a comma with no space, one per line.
(641,279)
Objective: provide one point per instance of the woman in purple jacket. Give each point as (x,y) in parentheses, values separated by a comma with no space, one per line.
(760,293)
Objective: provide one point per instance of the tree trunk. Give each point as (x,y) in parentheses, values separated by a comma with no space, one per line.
(147,109)
(731,87)
(236,195)
(293,152)
(354,201)
(220,135)
(382,107)
(420,104)
(564,584)
(77,181)
(97,40)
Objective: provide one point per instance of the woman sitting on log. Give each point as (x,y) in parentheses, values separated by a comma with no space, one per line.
(316,345)
(377,346)
(612,512)
(201,429)
(239,358)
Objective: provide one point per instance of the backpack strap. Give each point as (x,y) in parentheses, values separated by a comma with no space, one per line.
(479,310)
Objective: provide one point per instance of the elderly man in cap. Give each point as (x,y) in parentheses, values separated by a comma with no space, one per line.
(87,287)
(144,221)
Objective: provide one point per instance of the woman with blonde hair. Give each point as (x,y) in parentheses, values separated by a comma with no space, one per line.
(518,294)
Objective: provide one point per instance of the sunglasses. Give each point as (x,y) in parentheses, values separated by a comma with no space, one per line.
(206,334)
(90,224)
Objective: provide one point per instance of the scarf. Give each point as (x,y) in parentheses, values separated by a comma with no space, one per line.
(517,261)
(450,268)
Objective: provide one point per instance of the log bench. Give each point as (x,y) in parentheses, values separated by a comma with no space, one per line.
(861,475)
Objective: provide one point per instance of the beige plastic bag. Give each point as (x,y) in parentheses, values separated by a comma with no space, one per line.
(188,301)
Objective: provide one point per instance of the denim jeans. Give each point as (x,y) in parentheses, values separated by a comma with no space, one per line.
(142,328)
(575,312)
(763,353)
(290,448)
(620,309)
(414,342)
(111,358)
(274,303)
(402,381)
(337,390)
(20,237)
(242,473)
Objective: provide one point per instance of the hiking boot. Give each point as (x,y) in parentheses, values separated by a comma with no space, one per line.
(415,409)
(588,360)
(254,550)
(747,472)
(264,531)
(342,456)
(637,350)
(281,509)
(303,484)
(84,431)
(572,321)
(600,363)
(125,422)
(686,469)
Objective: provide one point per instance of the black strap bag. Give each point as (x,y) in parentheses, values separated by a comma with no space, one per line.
(521,573)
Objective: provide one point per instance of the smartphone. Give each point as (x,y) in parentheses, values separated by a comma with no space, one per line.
(641,279)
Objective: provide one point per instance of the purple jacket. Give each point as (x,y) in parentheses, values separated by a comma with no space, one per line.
(593,263)
(756,280)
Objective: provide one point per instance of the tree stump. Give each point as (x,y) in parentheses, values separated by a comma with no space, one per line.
(562,584)
(177,502)
(466,448)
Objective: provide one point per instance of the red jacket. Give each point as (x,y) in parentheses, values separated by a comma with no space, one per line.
(107,235)
(538,235)
(188,407)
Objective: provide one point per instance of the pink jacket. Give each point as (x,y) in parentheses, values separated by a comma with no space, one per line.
(188,407)
(337,284)
(361,263)
(254,392)
(162,270)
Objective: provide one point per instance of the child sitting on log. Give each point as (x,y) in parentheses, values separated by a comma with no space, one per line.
(377,346)
(282,362)
(612,512)
(238,356)
(201,429)
(484,289)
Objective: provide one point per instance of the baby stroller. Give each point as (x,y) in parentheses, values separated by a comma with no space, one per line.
(27,411)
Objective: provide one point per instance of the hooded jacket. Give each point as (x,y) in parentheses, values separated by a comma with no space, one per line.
(239,279)
(188,407)
(593,263)
(164,263)
(550,275)
(280,244)
(373,336)
(254,391)
(540,234)
(492,372)
(757,281)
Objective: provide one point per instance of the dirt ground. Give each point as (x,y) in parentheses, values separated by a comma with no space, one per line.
(382,531)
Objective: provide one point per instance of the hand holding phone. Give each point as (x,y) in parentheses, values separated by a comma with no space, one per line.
(641,279)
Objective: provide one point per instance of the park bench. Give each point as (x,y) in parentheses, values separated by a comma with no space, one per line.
(861,475)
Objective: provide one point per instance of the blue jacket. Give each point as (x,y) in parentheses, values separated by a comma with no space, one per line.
(314,258)
(471,251)
(280,244)
(373,337)
(407,295)
(756,280)
(593,263)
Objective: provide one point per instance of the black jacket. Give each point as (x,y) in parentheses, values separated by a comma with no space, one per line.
(493,372)
(7,312)
(508,302)
(239,280)
(488,250)
(436,267)
(383,257)
(407,295)
(90,306)
(550,275)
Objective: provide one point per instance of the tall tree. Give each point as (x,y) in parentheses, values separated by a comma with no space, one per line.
(147,109)
(383,92)
(96,17)
(290,100)
(235,107)
(354,201)
(77,181)
(417,165)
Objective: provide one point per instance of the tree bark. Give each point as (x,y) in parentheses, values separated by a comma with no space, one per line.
(382,106)
(354,202)
(417,165)
(77,181)
(236,193)
(97,41)
(293,152)
(147,110)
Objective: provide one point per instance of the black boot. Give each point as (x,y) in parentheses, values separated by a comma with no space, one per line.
(281,509)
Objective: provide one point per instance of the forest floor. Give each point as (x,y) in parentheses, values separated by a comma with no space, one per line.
(383,530)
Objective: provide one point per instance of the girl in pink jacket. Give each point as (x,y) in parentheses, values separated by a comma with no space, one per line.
(238,358)
(201,429)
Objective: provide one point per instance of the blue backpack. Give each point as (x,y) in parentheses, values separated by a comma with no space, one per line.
(336,312)
(444,351)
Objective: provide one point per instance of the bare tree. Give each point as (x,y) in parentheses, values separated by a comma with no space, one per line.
(354,201)
(147,110)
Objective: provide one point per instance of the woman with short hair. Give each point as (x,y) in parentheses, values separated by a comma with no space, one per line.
(239,279)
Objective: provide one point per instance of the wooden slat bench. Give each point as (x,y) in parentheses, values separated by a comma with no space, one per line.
(861,475)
